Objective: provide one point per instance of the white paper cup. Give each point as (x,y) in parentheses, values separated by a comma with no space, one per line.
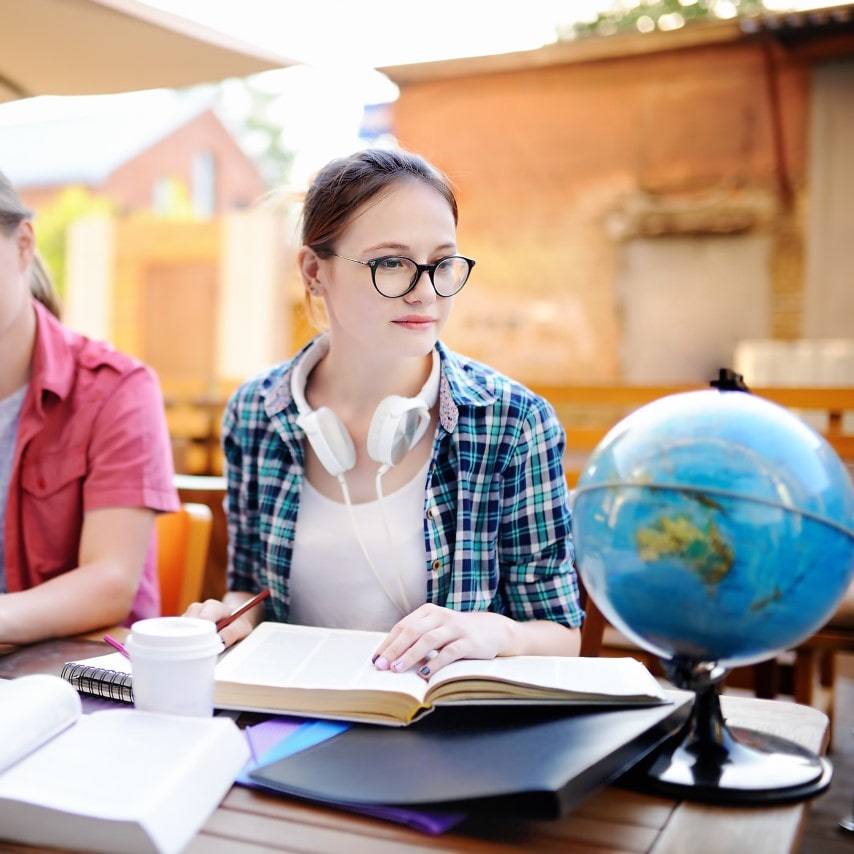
(172,662)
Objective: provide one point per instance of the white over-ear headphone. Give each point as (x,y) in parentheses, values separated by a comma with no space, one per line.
(396,426)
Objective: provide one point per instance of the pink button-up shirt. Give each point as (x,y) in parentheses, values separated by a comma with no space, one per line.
(91,434)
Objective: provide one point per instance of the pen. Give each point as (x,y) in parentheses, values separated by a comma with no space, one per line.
(117,645)
(239,612)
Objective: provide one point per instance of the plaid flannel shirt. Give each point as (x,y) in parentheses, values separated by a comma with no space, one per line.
(497,523)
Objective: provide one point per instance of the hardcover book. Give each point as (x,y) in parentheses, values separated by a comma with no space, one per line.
(538,763)
(327,673)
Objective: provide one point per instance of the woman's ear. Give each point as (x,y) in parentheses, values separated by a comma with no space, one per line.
(26,241)
(309,267)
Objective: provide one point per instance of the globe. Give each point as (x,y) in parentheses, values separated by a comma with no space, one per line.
(715,526)
(715,529)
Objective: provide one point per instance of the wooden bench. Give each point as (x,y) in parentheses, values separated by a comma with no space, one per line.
(588,412)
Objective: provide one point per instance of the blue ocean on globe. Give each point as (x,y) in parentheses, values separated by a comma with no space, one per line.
(716,526)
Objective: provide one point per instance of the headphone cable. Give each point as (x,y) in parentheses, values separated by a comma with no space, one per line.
(346,493)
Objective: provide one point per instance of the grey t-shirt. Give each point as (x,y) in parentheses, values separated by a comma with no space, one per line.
(10,413)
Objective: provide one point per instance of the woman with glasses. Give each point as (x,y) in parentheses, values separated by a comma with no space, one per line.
(85,461)
(379,480)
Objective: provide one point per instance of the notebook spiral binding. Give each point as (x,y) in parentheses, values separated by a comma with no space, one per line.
(99,681)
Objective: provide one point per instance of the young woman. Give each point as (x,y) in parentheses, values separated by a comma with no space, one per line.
(379,480)
(85,461)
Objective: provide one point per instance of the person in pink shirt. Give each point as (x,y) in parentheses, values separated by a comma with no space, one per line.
(85,461)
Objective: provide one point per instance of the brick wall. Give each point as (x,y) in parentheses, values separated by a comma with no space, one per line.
(238,182)
(553,164)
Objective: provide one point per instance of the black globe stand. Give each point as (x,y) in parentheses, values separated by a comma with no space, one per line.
(711,762)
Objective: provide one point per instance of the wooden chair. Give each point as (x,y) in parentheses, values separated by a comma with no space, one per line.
(594,625)
(209,490)
(183,540)
(814,668)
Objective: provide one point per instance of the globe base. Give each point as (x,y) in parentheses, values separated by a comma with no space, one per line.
(711,762)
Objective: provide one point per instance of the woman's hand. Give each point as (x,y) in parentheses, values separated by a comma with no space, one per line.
(431,637)
(214,610)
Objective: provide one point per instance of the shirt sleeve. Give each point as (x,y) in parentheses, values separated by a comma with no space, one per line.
(535,543)
(130,456)
(241,504)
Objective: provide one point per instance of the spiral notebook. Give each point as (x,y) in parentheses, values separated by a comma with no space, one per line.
(107,676)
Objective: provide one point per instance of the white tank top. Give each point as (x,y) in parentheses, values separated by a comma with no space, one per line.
(331,582)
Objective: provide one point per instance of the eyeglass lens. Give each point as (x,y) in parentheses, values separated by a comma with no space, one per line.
(395,276)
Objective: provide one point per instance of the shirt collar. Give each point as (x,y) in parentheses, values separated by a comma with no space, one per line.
(53,361)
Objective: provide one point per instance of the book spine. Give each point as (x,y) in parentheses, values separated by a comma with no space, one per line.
(99,681)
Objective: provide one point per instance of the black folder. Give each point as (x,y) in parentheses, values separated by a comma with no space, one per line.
(534,763)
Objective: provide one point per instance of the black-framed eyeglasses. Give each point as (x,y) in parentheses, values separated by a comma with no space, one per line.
(395,275)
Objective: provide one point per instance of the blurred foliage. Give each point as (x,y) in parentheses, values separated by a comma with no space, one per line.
(266,137)
(649,15)
(54,220)
(172,201)
(253,116)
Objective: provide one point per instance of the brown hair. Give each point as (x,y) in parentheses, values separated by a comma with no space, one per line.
(341,187)
(12,214)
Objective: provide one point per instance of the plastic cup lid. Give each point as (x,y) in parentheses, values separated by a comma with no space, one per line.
(174,637)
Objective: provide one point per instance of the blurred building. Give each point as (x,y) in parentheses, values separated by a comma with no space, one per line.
(640,204)
(138,150)
(196,294)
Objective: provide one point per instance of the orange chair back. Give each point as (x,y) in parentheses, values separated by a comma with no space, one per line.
(183,541)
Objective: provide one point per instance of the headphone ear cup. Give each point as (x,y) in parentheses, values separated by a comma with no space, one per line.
(396,427)
(329,439)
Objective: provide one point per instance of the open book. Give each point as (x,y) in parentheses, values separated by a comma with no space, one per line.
(316,672)
(113,780)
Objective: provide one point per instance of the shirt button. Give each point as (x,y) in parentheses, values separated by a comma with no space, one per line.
(436,566)
(431,512)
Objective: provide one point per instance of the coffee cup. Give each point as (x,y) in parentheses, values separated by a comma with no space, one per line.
(172,662)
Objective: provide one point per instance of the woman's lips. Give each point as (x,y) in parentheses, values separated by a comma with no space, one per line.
(414,322)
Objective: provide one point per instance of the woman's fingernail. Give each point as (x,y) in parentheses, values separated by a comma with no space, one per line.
(374,659)
(424,671)
(397,665)
(381,663)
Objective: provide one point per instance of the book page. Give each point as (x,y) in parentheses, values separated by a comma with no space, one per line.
(622,679)
(163,774)
(286,656)
(33,709)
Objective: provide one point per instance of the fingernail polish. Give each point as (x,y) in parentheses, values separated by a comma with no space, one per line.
(397,665)
(381,664)
(424,671)
(374,659)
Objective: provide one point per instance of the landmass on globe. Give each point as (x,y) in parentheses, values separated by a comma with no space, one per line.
(703,550)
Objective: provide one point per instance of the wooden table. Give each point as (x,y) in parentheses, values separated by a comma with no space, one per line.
(613,820)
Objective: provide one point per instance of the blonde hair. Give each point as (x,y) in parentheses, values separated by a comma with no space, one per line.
(12,213)
(42,286)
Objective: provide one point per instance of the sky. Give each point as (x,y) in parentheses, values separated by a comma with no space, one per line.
(339,44)
(372,33)
(342,42)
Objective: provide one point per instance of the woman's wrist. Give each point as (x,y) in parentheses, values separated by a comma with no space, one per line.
(541,637)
